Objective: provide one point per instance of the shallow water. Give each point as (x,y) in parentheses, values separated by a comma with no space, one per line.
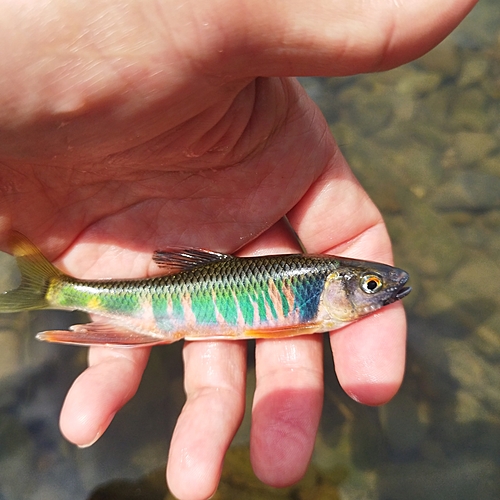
(424,140)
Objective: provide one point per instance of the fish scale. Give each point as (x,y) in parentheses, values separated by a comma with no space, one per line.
(223,286)
(235,286)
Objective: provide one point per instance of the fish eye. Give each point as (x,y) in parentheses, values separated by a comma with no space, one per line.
(371,283)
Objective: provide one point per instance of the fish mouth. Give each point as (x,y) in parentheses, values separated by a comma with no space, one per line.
(400,292)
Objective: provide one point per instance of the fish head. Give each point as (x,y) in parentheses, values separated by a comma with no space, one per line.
(357,288)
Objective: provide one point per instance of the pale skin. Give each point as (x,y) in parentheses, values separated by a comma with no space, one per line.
(126,127)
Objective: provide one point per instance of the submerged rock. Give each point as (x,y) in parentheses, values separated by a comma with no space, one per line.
(444,59)
(474,70)
(452,478)
(469,112)
(468,191)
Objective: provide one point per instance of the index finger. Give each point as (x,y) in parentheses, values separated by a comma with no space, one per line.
(336,216)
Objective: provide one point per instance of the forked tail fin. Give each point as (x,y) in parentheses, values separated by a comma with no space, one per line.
(36,275)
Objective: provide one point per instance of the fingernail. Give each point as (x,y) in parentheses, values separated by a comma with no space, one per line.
(88,445)
(100,432)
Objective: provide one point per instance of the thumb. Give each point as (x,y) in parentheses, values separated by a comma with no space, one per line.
(334,37)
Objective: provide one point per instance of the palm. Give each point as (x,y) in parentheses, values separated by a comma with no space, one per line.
(212,161)
(224,179)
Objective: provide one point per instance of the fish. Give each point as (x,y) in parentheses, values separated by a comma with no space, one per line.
(204,295)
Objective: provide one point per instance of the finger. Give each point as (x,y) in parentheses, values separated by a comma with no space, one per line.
(193,458)
(299,37)
(215,375)
(289,390)
(337,216)
(111,380)
(369,354)
(336,37)
(286,408)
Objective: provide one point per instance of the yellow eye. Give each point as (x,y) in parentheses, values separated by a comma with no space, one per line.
(371,283)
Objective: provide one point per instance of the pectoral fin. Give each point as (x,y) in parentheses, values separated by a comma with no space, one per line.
(100,333)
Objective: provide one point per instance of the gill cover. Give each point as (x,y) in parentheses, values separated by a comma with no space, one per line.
(350,294)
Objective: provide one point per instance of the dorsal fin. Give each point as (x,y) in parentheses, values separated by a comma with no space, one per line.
(175,260)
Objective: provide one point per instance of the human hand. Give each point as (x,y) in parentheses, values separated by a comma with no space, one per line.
(131,127)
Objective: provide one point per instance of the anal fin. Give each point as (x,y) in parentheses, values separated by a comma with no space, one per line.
(107,334)
(261,333)
(283,332)
(100,333)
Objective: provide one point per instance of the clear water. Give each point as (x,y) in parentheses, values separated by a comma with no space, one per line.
(424,140)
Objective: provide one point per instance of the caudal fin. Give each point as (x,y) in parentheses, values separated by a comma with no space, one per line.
(36,275)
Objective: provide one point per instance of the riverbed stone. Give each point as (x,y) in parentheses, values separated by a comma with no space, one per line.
(429,241)
(469,113)
(468,190)
(401,424)
(418,83)
(457,478)
(445,59)
(474,70)
(473,147)
(491,165)
(486,339)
